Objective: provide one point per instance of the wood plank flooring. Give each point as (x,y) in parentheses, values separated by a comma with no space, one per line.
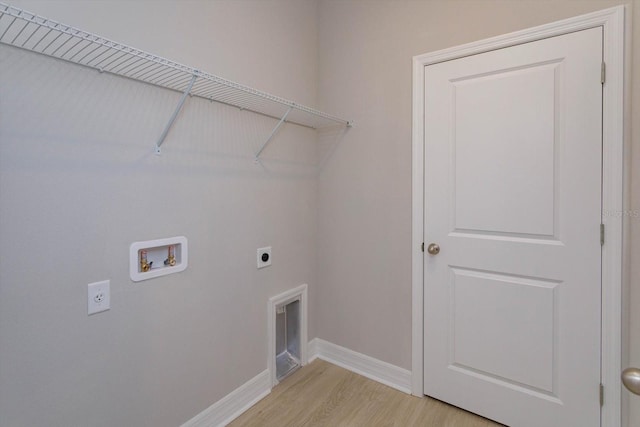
(322,394)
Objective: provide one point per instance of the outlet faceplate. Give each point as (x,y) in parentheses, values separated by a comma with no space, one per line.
(264,257)
(99,297)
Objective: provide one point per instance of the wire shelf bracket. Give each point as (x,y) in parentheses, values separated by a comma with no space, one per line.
(25,30)
(273,132)
(175,115)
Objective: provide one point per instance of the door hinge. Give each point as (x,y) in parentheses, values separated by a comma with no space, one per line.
(603,73)
(601,395)
(422,246)
(601,234)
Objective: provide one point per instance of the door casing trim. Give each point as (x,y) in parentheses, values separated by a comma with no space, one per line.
(612,21)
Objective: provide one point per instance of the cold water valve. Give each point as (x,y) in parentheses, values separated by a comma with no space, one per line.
(171,258)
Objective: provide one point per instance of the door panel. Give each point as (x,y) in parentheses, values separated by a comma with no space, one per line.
(507,168)
(495,308)
(513,198)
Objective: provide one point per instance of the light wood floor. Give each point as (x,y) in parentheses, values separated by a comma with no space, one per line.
(322,394)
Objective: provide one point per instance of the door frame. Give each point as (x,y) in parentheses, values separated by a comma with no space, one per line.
(612,21)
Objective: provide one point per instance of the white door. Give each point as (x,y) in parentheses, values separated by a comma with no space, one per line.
(513,199)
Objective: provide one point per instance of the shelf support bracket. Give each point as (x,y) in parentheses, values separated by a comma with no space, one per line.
(273,132)
(175,114)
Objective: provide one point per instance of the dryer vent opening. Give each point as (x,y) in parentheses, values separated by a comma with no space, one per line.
(287,324)
(288,354)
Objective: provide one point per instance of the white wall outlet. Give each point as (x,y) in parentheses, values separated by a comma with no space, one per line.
(99,297)
(264,257)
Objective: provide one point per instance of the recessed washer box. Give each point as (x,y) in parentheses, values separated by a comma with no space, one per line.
(155,258)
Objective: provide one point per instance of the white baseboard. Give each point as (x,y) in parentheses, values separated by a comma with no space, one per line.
(234,404)
(374,369)
(312,350)
(241,399)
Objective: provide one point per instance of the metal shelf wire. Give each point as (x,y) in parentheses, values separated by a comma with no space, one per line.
(28,31)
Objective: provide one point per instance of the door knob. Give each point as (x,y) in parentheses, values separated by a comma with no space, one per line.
(631,379)
(433,249)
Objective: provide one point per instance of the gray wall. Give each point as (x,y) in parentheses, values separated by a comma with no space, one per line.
(364,231)
(79,184)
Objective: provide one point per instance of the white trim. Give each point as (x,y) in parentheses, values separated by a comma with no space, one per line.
(417,234)
(312,350)
(244,397)
(612,21)
(298,293)
(234,404)
(613,201)
(374,369)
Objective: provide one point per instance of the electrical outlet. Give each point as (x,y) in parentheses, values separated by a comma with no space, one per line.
(99,297)
(264,257)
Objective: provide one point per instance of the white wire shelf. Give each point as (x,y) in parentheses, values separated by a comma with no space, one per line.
(35,33)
